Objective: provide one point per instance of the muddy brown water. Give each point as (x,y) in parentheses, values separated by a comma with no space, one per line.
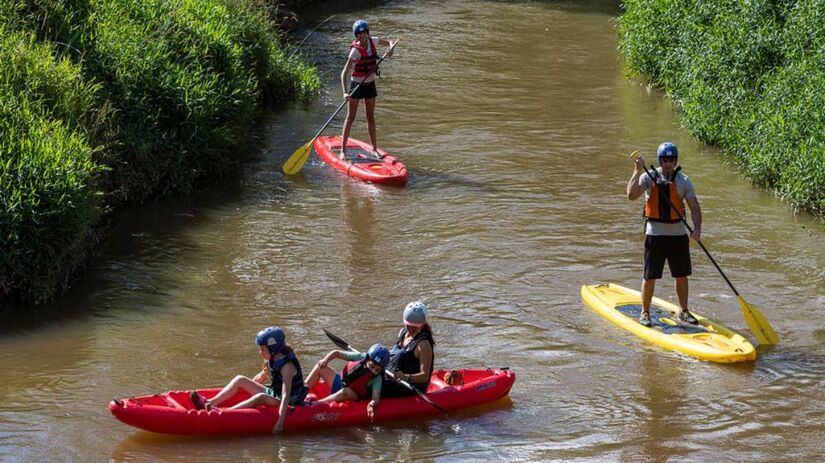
(515,120)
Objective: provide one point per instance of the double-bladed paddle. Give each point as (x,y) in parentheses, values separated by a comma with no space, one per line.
(345,345)
(300,156)
(761,329)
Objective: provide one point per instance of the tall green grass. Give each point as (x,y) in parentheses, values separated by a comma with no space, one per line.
(106,102)
(49,201)
(748,76)
(186,79)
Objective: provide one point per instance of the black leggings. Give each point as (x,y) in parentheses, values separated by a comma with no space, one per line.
(392,388)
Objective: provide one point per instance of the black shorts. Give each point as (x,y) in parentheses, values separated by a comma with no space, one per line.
(392,388)
(673,249)
(364,91)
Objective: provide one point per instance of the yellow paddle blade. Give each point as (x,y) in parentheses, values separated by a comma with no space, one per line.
(761,329)
(298,159)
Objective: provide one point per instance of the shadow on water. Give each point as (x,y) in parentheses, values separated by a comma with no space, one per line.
(137,237)
(425,179)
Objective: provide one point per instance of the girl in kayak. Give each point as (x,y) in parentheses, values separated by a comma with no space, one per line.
(280,365)
(361,378)
(412,356)
(360,69)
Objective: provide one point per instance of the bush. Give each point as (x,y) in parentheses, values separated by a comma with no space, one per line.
(48,197)
(158,91)
(747,76)
(186,80)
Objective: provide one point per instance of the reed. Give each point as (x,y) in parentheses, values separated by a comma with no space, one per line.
(110,102)
(747,76)
(49,200)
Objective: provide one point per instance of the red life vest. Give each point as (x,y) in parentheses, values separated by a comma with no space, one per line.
(355,376)
(367,64)
(661,210)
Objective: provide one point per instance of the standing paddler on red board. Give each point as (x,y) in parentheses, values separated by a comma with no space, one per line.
(360,69)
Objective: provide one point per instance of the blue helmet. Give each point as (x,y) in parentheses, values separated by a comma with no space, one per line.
(415,314)
(273,338)
(360,26)
(667,150)
(379,354)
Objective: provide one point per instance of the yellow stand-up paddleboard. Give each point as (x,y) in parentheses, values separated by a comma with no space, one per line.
(707,341)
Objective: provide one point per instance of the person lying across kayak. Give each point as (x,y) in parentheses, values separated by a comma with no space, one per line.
(360,379)
(281,365)
(412,356)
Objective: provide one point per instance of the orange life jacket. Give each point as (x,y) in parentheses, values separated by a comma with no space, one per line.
(368,63)
(658,209)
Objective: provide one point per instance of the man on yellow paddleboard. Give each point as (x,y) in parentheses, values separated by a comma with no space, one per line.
(666,190)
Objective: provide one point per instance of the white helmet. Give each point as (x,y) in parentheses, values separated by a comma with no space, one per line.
(415,314)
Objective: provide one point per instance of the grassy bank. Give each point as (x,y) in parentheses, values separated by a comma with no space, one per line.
(109,102)
(747,76)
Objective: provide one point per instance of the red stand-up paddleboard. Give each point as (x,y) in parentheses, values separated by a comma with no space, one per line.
(360,162)
(173,412)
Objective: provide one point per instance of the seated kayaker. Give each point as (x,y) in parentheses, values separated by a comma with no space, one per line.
(360,379)
(280,365)
(412,356)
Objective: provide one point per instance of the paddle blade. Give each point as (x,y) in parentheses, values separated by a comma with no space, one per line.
(761,329)
(338,341)
(298,158)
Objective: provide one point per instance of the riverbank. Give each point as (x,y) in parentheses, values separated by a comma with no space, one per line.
(748,77)
(112,103)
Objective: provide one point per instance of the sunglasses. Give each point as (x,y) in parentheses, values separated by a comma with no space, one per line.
(667,159)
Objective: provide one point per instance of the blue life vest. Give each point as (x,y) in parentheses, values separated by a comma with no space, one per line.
(275,366)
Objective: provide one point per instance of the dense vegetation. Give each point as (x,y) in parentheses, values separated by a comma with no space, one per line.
(105,102)
(748,76)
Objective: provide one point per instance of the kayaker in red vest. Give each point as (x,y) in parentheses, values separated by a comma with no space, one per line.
(666,237)
(361,68)
(280,365)
(360,379)
(412,357)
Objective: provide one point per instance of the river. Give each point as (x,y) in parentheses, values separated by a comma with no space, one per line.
(515,120)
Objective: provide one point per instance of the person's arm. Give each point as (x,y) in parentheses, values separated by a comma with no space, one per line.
(695,217)
(287,373)
(262,375)
(634,189)
(387,43)
(332,355)
(424,353)
(376,397)
(345,73)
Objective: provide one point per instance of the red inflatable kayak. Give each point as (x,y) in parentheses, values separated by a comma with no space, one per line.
(173,413)
(361,163)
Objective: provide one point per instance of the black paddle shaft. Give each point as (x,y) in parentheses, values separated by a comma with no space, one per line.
(667,198)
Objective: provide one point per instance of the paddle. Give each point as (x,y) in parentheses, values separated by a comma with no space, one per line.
(758,324)
(344,345)
(297,160)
